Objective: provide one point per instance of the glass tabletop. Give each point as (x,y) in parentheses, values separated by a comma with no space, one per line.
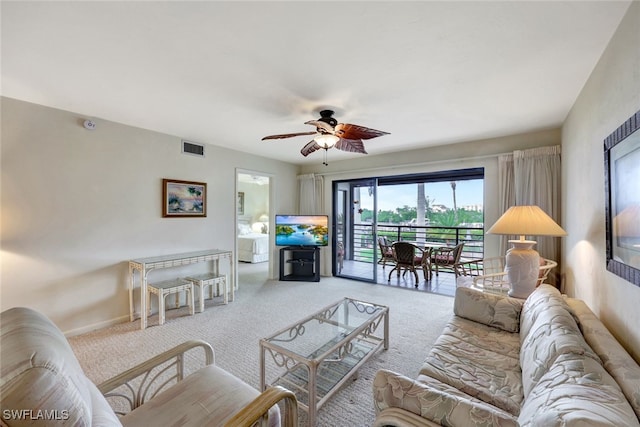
(319,333)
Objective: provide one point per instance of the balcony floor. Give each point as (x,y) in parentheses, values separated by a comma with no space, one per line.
(443,284)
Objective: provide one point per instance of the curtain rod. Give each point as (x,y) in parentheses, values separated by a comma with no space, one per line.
(434,162)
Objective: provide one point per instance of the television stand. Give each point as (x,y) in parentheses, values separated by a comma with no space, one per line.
(300,263)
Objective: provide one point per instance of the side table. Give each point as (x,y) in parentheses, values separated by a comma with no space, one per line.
(203,281)
(168,287)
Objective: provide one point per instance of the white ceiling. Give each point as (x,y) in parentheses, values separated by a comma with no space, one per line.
(229,73)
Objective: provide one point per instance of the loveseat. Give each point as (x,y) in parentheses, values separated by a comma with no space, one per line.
(500,361)
(42,384)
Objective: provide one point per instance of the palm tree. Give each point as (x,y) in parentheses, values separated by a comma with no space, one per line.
(420,211)
(455,207)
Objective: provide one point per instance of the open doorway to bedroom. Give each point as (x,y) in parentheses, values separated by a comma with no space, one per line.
(253,221)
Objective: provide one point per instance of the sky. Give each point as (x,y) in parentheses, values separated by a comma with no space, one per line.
(469,192)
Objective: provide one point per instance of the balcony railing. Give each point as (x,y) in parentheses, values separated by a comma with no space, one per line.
(361,248)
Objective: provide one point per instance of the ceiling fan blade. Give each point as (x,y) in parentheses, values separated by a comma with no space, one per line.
(288,135)
(351,145)
(349,131)
(320,125)
(310,148)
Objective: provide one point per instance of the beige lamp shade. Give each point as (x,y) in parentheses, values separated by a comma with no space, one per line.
(526,221)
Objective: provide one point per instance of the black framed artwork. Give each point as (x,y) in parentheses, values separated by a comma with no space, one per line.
(622,198)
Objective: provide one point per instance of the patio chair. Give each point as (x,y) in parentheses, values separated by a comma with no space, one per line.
(408,257)
(386,254)
(445,258)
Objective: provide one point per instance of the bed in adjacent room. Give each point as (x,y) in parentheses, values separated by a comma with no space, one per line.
(252,247)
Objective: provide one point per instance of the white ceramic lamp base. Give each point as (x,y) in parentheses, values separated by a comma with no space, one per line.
(522,266)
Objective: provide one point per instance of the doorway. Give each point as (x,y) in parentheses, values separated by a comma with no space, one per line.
(354,237)
(253,223)
(443,207)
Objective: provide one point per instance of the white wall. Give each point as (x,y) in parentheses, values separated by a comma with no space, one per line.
(77,204)
(465,155)
(256,200)
(610,97)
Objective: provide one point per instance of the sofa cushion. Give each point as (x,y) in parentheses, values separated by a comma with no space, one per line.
(618,363)
(543,297)
(576,391)
(493,310)
(40,372)
(548,330)
(479,360)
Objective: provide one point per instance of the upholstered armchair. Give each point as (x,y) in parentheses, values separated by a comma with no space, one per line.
(39,372)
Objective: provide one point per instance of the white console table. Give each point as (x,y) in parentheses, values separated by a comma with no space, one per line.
(145,265)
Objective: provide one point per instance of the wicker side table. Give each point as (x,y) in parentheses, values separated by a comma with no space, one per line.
(168,287)
(209,280)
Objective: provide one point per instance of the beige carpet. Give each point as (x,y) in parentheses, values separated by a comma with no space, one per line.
(263,307)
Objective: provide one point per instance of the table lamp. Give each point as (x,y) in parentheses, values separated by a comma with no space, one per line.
(522,262)
(264,218)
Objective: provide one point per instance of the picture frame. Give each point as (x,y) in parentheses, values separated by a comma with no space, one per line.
(183,198)
(240,203)
(622,198)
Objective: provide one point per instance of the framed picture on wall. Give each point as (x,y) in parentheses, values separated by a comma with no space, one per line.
(240,203)
(622,187)
(184,198)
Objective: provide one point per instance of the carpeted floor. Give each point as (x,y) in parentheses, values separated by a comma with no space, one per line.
(263,307)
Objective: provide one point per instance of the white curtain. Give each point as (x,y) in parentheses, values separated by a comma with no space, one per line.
(311,194)
(507,194)
(532,177)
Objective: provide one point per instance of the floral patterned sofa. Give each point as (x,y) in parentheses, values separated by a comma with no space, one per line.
(500,361)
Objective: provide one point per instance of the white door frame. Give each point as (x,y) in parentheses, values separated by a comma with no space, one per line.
(271,214)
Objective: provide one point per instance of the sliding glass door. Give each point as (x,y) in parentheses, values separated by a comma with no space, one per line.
(354,233)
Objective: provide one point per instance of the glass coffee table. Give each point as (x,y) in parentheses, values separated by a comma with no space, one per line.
(315,356)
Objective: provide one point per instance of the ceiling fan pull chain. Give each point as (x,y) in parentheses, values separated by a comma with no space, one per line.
(325,158)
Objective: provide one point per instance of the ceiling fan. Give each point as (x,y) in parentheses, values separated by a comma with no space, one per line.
(329,133)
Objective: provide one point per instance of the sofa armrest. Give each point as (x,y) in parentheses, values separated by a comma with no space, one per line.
(259,407)
(499,311)
(436,402)
(142,382)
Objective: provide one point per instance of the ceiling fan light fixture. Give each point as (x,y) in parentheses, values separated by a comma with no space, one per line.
(326,140)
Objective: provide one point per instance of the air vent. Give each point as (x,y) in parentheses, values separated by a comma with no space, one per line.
(192,148)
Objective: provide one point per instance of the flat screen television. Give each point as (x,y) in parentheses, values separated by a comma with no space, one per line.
(302,230)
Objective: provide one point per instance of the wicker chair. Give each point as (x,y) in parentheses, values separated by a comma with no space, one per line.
(488,274)
(408,257)
(386,254)
(479,267)
(445,258)
(40,370)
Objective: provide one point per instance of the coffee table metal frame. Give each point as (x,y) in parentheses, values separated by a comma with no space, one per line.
(344,336)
